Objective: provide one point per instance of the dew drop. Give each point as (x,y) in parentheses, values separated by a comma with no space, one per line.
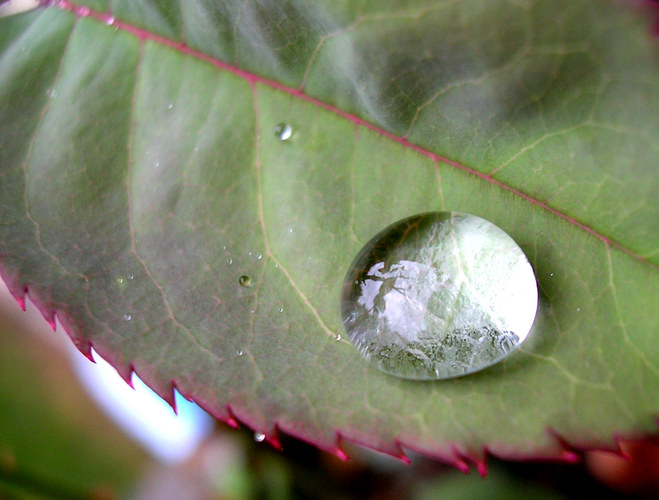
(337,337)
(244,281)
(128,317)
(109,20)
(259,256)
(51,93)
(170,106)
(283,131)
(229,261)
(438,295)
(239,352)
(259,437)
(281,309)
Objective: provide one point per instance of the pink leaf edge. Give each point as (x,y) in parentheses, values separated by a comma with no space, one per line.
(461,459)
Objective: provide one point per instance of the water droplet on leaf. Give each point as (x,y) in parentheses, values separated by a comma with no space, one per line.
(259,437)
(244,281)
(51,93)
(109,20)
(128,317)
(283,131)
(240,352)
(337,337)
(439,295)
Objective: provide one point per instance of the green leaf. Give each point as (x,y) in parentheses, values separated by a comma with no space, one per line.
(141,177)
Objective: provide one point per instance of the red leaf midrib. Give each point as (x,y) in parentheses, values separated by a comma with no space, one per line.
(253,79)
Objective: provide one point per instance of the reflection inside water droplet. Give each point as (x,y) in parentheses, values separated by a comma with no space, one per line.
(259,437)
(439,295)
(283,131)
(244,281)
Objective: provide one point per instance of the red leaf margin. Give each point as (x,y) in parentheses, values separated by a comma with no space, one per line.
(460,459)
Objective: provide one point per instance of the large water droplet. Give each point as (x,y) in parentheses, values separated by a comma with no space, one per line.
(439,295)
(283,131)
(244,281)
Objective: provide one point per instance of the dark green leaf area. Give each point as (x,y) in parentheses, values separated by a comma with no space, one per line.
(139,182)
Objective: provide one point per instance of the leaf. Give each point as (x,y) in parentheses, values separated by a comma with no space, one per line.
(141,177)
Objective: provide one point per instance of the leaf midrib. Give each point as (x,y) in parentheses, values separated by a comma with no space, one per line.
(107,18)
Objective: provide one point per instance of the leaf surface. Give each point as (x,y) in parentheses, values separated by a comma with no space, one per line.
(141,177)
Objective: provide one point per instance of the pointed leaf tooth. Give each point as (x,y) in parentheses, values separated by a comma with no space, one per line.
(126,373)
(20,297)
(84,346)
(481,465)
(227,417)
(272,437)
(49,316)
(170,396)
(459,461)
(403,457)
(340,454)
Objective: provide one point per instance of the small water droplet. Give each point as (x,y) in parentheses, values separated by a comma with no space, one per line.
(551,274)
(229,261)
(128,317)
(157,163)
(283,131)
(259,437)
(121,281)
(290,230)
(244,281)
(240,352)
(51,93)
(337,337)
(170,105)
(281,309)
(259,256)
(83,11)
(578,309)
(131,277)
(109,20)
(439,295)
